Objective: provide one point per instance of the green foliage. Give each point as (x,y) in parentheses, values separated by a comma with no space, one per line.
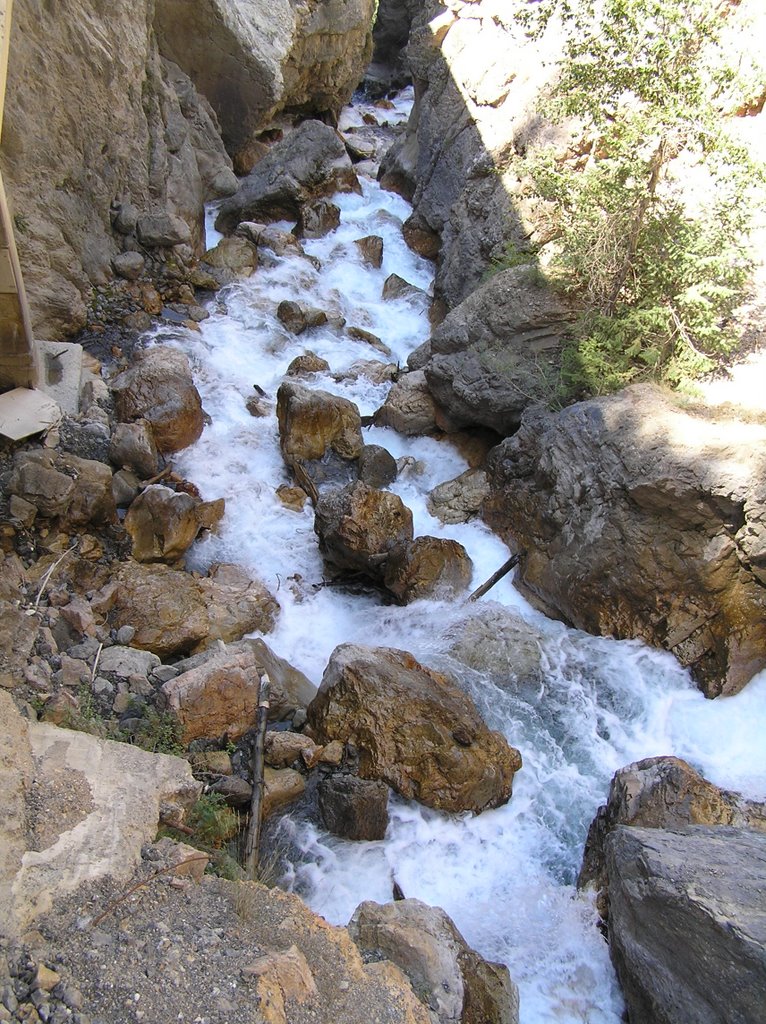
(657,275)
(158,732)
(212,821)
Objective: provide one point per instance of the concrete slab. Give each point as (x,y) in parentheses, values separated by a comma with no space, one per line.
(61,373)
(24,412)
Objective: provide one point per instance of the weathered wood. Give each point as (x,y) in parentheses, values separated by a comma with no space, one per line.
(256,802)
(303,480)
(494,578)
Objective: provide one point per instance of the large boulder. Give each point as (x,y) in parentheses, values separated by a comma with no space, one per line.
(252,60)
(309,163)
(314,424)
(687,923)
(358,528)
(457,984)
(461,499)
(164,523)
(661,792)
(159,389)
(413,729)
(216,694)
(109,124)
(409,407)
(636,518)
(174,613)
(432,567)
(60,485)
(498,351)
(76,809)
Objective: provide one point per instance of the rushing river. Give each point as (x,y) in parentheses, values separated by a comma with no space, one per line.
(505,877)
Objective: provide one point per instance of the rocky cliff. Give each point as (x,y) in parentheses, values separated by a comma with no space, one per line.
(99,117)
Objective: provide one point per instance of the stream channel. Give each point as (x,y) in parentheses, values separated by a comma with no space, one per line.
(506,877)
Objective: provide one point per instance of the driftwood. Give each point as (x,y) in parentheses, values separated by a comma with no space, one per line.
(494,578)
(303,479)
(256,802)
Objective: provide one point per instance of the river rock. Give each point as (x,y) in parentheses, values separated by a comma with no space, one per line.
(159,388)
(371,369)
(395,287)
(501,645)
(281,243)
(307,362)
(636,518)
(216,692)
(359,334)
(409,407)
(281,787)
(236,603)
(661,792)
(353,808)
(281,749)
(461,499)
(63,485)
(371,250)
(252,60)
(687,928)
(359,526)
(132,447)
(453,980)
(310,163)
(298,317)
(413,729)
(315,220)
(314,423)
(235,254)
(498,351)
(377,467)
(430,567)
(164,523)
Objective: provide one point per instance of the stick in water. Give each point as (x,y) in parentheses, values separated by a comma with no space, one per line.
(494,578)
(256,802)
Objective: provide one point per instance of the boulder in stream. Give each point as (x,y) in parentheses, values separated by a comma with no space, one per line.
(319,433)
(638,518)
(413,729)
(432,567)
(461,499)
(359,526)
(409,407)
(164,523)
(353,808)
(159,389)
(315,220)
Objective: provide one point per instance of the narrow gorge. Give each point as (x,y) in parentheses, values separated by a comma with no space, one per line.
(313,360)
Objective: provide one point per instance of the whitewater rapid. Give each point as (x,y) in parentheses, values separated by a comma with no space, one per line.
(507,876)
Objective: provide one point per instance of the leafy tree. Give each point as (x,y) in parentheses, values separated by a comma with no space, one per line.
(658,277)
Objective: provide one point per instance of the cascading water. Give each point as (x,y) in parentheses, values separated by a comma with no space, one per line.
(506,877)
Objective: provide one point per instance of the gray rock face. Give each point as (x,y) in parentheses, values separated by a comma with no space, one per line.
(64,485)
(498,351)
(458,500)
(309,163)
(638,519)
(688,923)
(452,979)
(104,124)
(354,808)
(254,59)
(661,792)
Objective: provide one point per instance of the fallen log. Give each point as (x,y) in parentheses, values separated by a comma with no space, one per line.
(495,578)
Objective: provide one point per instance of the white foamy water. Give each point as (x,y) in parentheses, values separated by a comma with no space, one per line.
(506,877)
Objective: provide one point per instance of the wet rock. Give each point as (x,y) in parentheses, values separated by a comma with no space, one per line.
(409,407)
(235,254)
(452,979)
(159,389)
(132,447)
(359,334)
(461,499)
(377,467)
(163,523)
(396,287)
(687,933)
(216,693)
(428,567)
(353,808)
(639,519)
(313,423)
(315,220)
(413,729)
(162,230)
(498,351)
(129,265)
(661,792)
(298,317)
(308,164)
(359,526)
(501,645)
(281,787)
(372,370)
(371,250)
(281,243)
(307,362)
(294,498)
(421,239)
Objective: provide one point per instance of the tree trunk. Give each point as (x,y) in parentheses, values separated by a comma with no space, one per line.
(256,802)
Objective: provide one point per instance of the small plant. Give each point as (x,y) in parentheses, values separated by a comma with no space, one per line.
(212,821)
(159,732)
